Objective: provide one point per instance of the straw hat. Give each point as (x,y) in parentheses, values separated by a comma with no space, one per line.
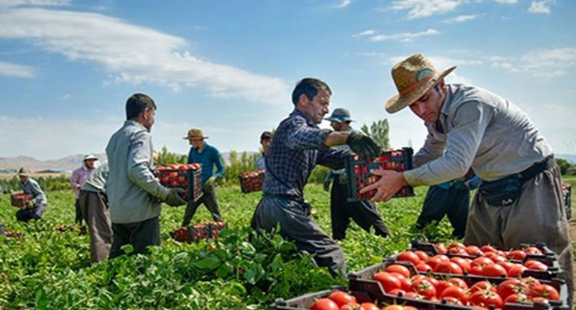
(90,156)
(196,132)
(24,172)
(413,77)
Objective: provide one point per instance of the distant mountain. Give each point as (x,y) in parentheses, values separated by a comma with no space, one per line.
(571,158)
(67,163)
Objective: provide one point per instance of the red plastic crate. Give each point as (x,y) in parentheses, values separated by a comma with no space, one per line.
(188,177)
(20,200)
(359,176)
(252,181)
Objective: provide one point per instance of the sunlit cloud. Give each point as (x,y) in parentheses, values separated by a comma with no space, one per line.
(14,70)
(540,7)
(404,37)
(425,8)
(460,19)
(546,63)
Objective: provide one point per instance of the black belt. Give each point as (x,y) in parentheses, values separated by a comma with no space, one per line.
(537,168)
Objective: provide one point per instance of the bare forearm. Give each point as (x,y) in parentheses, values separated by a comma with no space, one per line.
(336,138)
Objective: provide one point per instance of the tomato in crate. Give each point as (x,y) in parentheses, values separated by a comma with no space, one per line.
(359,176)
(252,181)
(20,200)
(186,176)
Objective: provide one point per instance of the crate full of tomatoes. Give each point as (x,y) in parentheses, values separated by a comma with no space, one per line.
(188,177)
(359,176)
(20,200)
(252,181)
(202,231)
(485,276)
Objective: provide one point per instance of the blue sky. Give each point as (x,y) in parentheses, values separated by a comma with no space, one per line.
(67,67)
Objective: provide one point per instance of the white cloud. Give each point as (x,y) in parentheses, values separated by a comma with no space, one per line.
(404,37)
(460,19)
(14,70)
(506,1)
(540,7)
(368,32)
(547,63)
(441,63)
(15,3)
(343,3)
(135,54)
(425,8)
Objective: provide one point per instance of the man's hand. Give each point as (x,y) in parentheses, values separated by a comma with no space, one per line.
(174,199)
(29,204)
(363,145)
(209,184)
(390,183)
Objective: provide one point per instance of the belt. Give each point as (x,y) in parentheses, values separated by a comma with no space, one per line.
(537,168)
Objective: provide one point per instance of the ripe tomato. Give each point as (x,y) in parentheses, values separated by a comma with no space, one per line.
(531,282)
(182,180)
(535,265)
(506,265)
(441,248)
(422,266)
(409,256)
(482,286)
(481,261)
(371,306)
(397,292)
(495,257)
(517,255)
(457,248)
(459,283)
(511,286)
(494,270)
(533,250)
(516,270)
(342,298)
(488,248)
(455,292)
(463,263)
(425,288)
(403,270)
(515,298)
(474,250)
(413,295)
(441,286)
(387,280)
(485,299)
(422,255)
(448,267)
(544,290)
(432,262)
(324,304)
(452,301)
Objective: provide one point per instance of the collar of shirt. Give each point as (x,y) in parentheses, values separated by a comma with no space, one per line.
(309,122)
(134,123)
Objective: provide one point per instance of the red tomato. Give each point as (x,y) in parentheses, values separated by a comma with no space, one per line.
(422,266)
(457,248)
(462,263)
(506,265)
(371,306)
(397,292)
(482,286)
(173,175)
(432,262)
(413,295)
(441,248)
(495,257)
(409,256)
(511,286)
(459,283)
(533,250)
(388,281)
(324,304)
(481,261)
(474,250)
(517,255)
(476,270)
(425,288)
(488,248)
(455,292)
(494,270)
(342,298)
(535,265)
(516,270)
(393,307)
(422,255)
(403,270)
(448,267)
(515,298)
(531,282)
(452,301)
(441,286)
(544,290)
(485,299)
(182,180)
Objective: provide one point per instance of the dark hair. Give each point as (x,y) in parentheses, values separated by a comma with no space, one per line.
(137,103)
(309,87)
(266,135)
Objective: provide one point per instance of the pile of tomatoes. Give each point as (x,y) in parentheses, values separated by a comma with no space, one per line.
(20,200)
(198,232)
(339,300)
(177,176)
(252,181)
(394,160)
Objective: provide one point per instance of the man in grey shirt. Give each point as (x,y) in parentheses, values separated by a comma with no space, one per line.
(519,200)
(134,194)
(37,205)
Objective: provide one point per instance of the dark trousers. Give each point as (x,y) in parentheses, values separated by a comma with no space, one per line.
(34,213)
(78,217)
(94,207)
(210,200)
(139,234)
(297,227)
(363,213)
(454,202)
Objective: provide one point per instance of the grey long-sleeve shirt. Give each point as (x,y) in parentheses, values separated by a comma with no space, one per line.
(134,194)
(482,131)
(32,188)
(97,180)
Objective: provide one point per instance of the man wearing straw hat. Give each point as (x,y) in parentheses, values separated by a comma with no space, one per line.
(209,157)
(78,178)
(297,147)
(363,212)
(37,205)
(519,200)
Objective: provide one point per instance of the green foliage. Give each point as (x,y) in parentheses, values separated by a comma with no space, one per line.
(51,183)
(238,165)
(167,158)
(379,131)
(563,164)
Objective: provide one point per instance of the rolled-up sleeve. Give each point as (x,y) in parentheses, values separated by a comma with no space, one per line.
(139,157)
(433,148)
(470,122)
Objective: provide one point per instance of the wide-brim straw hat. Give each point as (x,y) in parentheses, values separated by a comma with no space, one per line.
(413,77)
(195,132)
